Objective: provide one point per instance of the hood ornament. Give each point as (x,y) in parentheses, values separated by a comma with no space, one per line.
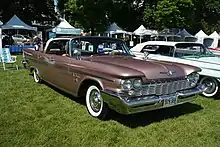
(169,73)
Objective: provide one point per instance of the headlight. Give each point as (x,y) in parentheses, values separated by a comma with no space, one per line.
(193,78)
(126,84)
(131,84)
(137,83)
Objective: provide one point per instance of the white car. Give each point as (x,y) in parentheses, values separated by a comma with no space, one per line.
(190,53)
(216,51)
(19,39)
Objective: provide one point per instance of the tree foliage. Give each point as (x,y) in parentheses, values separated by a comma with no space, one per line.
(156,14)
(96,15)
(169,14)
(190,14)
(28,10)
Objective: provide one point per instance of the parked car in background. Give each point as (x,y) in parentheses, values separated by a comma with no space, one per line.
(188,53)
(7,40)
(4,35)
(28,38)
(19,39)
(104,72)
(215,51)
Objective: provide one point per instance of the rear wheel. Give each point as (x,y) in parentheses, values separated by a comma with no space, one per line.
(37,79)
(212,86)
(24,65)
(95,104)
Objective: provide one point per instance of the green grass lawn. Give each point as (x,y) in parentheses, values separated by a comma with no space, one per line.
(34,114)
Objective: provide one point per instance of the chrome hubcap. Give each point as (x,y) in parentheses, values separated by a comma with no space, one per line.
(36,76)
(211,85)
(95,100)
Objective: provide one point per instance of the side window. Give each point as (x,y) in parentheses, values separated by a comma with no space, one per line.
(187,50)
(57,47)
(166,50)
(86,46)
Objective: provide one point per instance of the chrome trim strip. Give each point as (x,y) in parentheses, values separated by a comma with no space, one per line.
(202,61)
(210,68)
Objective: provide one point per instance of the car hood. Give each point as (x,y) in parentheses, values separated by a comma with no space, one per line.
(151,69)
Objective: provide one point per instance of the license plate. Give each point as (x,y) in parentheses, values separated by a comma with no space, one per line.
(172,100)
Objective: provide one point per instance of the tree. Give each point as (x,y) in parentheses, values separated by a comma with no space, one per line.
(96,15)
(206,15)
(169,14)
(28,10)
(91,14)
(127,13)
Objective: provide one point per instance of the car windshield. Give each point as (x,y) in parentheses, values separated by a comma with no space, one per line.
(192,50)
(100,46)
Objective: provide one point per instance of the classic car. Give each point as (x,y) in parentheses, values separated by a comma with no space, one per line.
(19,39)
(104,72)
(190,53)
(216,51)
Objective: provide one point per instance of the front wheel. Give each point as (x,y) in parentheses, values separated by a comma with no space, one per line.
(212,86)
(37,79)
(95,104)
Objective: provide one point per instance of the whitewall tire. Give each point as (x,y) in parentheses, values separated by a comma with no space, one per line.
(212,86)
(37,79)
(95,104)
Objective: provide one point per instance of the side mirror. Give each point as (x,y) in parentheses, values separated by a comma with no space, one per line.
(76,53)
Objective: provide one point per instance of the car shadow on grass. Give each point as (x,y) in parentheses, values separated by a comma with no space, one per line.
(149,117)
(144,118)
(80,101)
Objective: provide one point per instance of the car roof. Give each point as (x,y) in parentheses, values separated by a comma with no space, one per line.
(139,46)
(87,37)
(166,43)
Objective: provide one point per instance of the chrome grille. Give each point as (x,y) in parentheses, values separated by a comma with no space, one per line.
(165,88)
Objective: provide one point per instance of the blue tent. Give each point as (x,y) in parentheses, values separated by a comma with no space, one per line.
(184,33)
(115,29)
(169,32)
(16,23)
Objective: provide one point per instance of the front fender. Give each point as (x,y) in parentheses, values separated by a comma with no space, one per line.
(210,72)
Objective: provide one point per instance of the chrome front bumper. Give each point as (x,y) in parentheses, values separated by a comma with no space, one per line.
(146,103)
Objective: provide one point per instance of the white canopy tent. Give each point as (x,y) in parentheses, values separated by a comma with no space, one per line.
(65,28)
(215,36)
(142,31)
(201,36)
